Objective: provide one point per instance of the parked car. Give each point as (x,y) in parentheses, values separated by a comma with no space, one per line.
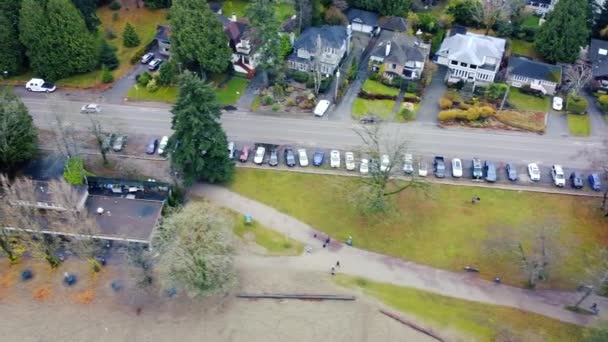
(374,166)
(258,158)
(290,158)
(244,156)
(511,171)
(364,167)
(119,143)
(349,160)
(334,158)
(231,149)
(155,64)
(439,167)
(163,144)
(151,146)
(385,163)
(274,158)
(576,180)
(490,171)
(456,168)
(477,169)
(317,158)
(107,141)
(594,182)
(321,107)
(90,108)
(534,172)
(408,164)
(558,103)
(369,119)
(145,59)
(557,173)
(303,157)
(422,169)
(39,85)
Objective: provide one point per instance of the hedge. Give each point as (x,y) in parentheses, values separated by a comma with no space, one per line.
(372,96)
(74,171)
(603,101)
(470,114)
(576,104)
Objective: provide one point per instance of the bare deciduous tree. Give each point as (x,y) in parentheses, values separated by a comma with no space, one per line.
(536,259)
(317,73)
(63,131)
(489,12)
(577,76)
(97,131)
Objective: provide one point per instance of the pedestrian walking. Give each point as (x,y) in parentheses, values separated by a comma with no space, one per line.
(338,263)
(327,241)
(333,270)
(324,245)
(594,308)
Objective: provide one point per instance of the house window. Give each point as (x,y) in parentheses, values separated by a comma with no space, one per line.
(454,62)
(394,66)
(473,66)
(463,64)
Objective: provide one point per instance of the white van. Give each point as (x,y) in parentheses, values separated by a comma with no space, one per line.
(321,107)
(38,85)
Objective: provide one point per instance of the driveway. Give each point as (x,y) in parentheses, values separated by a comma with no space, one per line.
(557,124)
(429,107)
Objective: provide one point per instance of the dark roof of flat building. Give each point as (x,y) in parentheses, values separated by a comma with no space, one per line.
(393,23)
(598,55)
(526,67)
(362,16)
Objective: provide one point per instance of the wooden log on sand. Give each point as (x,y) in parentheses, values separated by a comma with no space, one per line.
(294,296)
(411,325)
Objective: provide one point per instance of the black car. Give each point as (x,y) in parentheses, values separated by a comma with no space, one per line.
(477,169)
(511,172)
(273,160)
(576,180)
(439,167)
(369,119)
(152,145)
(290,158)
(490,171)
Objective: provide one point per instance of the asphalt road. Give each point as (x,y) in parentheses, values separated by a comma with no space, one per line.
(425,139)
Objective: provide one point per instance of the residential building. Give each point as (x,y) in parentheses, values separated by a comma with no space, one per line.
(401,55)
(470,57)
(540,7)
(539,76)
(162,38)
(334,44)
(598,56)
(392,23)
(363,21)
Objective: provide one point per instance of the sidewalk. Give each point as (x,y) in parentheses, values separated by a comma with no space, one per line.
(388,269)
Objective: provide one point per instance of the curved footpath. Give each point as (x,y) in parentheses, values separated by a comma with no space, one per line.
(392,270)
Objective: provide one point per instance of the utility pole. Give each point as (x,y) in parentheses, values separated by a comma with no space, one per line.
(504,99)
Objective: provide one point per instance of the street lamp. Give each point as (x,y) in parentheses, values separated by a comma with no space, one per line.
(337,85)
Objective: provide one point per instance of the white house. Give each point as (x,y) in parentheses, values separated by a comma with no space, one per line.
(537,75)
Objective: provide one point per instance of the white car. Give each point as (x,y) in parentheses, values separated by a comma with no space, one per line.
(534,171)
(39,85)
(422,170)
(90,108)
(456,168)
(321,107)
(334,158)
(364,166)
(302,157)
(558,103)
(259,155)
(349,160)
(231,150)
(384,163)
(557,173)
(408,164)
(145,59)
(163,144)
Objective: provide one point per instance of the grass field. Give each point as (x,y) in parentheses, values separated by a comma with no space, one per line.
(528,102)
(380,108)
(475,321)
(529,121)
(530,21)
(524,48)
(283,10)
(441,228)
(579,125)
(231,91)
(163,94)
(375,87)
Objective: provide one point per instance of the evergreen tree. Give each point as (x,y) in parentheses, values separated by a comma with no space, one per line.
(262,16)
(197,38)
(601,22)
(561,37)
(11,51)
(56,39)
(394,7)
(201,154)
(107,55)
(18,136)
(129,36)
(87,10)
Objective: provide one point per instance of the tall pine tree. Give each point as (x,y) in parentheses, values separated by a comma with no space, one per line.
(394,7)
(18,136)
(202,150)
(261,14)
(57,41)
(561,37)
(197,37)
(87,10)
(11,51)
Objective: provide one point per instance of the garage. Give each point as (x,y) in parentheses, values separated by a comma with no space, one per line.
(360,27)
(362,21)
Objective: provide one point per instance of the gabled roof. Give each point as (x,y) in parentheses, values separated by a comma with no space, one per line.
(471,48)
(404,48)
(598,55)
(362,17)
(393,23)
(162,33)
(290,24)
(523,66)
(332,36)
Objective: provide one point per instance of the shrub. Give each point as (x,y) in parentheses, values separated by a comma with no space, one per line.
(152,86)
(143,79)
(106,75)
(129,36)
(74,171)
(290,102)
(412,87)
(167,74)
(450,114)
(136,58)
(526,89)
(267,100)
(325,84)
(603,100)
(407,114)
(278,91)
(275,107)
(576,104)
(445,103)
(371,96)
(107,55)
(115,6)
(464,106)
(109,33)
(334,16)
(300,76)
(115,16)
(495,91)
(375,76)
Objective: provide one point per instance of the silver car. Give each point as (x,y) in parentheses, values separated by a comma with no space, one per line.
(90,108)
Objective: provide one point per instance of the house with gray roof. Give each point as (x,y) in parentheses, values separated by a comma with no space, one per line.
(539,76)
(399,55)
(320,48)
(598,56)
(392,23)
(362,21)
(471,57)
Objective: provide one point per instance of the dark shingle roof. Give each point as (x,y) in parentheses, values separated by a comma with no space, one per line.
(333,36)
(403,49)
(533,69)
(362,16)
(599,61)
(162,33)
(457,29)
(393,23)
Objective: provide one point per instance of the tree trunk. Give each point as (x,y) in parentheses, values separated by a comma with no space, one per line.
(587,294)
(4,245)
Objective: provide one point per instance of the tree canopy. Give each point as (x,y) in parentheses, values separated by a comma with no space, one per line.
(261,14)
(561,37)
(199,142)
(18,136)
(11,51)
(384,7)
(87,9)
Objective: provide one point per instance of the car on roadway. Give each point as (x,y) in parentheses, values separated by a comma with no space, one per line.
(477,168)
(349,160)
(244,156)
(490,171)
(511,171)
(408,163)
(321,108)
(385,163)
(558,103)
(369,119)
(557,174)
(439,167)
(145,59)
(151,146)
(119,143)
(231,149)
(576,180)
(39,85)
(594,182)
(156,62)
(303,157)
(90,108)
(534,172)
(456,168)
(334,158)
(258,158)
(422,169)
(364,166)
(290,158)
(107,141)
(317,158)
(274,158)
(163,144)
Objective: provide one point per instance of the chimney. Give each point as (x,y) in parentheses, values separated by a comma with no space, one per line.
(349,32)
(233,17)
(387,51)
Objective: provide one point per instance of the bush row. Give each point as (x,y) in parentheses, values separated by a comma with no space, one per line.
(471,114)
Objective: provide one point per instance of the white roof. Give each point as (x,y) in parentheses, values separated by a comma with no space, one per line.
(471,48)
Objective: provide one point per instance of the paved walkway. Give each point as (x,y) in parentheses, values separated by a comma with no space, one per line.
(429,107)
(387,269)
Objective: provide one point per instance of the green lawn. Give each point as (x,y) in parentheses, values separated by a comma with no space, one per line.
(231,91)
(283,10)
(163,94)
(579,125)
(380,108)
(443,230)
(530,21)
(524,48)
(522,101)
(375,87)
(473,320)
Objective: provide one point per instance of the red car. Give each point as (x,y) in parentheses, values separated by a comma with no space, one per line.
(244,154)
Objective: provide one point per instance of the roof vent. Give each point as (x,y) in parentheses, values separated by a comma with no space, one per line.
(602,52)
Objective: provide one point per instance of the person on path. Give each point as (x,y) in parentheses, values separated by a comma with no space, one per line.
(594,308)
(338,263)
(333,270)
